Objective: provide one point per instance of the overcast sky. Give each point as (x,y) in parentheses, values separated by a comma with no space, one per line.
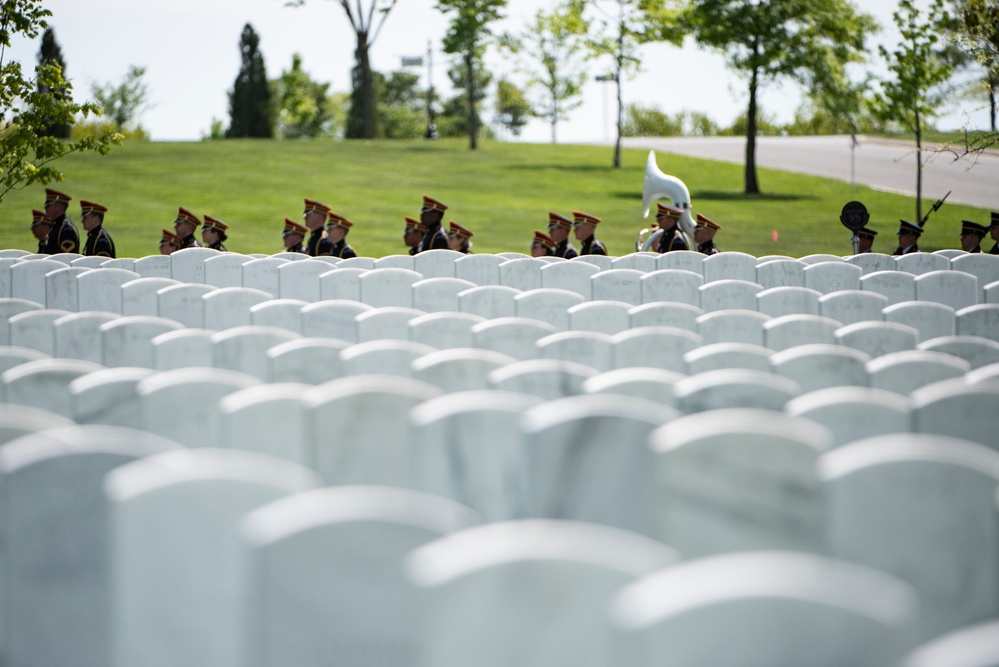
(191,51)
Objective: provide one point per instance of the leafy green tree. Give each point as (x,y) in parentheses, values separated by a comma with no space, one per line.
(50,52)
(513,111)
(122,103)
(618,28)
(366,22)
(650,121)
(251,109)
(807,41)
(401,106)
(302,104)
(554,48)
(28,105)
(919,68)
(453,120)
(977,30)
(467,37)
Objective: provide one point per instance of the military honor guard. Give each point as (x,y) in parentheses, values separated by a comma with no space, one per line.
(431,214)
(99,243)
(584,226)
(558,231)
(169,243)
(668,219)
(866,240)
(972,234)
(704,235)
(994,233)
(185,224)
(40,226)
(460,238)
(213,233)
(908,238)
(315,215)
(293,236)
(336,237)
(412,234)
(62,237)
(542,245)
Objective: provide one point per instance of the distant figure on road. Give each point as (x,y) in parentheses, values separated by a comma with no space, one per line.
(908,236)
(584,225)
(994,233)
(704,235)
(972,234)
(866,242)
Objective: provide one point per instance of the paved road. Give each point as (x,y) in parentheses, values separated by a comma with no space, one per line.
(882,165)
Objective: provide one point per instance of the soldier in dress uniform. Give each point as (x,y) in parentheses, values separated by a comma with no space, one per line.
(99,243)
(293,235)
(169,243)
(412,234)
(213,233)
(866,242)
(704,235)
(40,226)
(63,236)
(558,231)
(994,233)
(908,238)
(459,238)
(542,245)
(431,214)
(583,226)
(336,237)
(668,219)
(185,224)
(315,215)
(972,234)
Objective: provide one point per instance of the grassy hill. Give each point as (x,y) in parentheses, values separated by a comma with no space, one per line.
(502,192)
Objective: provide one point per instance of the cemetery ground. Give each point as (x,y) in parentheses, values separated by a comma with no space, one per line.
(502,192)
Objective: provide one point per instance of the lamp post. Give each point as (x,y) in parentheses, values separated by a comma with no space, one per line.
(417,61)
(604,78)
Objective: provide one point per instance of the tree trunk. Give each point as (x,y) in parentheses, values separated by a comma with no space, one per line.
(992,108)
(367,86)
(617,81)
(919,170)
(752,186)
(473,125)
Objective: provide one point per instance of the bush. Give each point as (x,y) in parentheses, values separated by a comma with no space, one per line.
(92,129)
(642,121)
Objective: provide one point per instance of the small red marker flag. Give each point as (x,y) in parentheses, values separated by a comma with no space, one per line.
(774,236)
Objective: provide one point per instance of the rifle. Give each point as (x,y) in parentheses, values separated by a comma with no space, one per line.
(935,207)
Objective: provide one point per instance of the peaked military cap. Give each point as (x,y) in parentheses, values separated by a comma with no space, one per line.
(458,230)
(995,219)
(337,220)
(906,227)
(312,205)
(412,224)
(54,196)
(430,204)
(183,215)
(866,233)
(292,227)
(38,218)
(969,227)
(214,223)
(666,209)
(169,237)
(556,220)
(579,217)
(705,222)
(544,240)
(87,207)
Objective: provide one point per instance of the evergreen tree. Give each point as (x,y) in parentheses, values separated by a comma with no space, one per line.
(50,53)
(251,111)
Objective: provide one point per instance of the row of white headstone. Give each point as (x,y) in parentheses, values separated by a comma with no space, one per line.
(958,282)
(189,573)
(122,549)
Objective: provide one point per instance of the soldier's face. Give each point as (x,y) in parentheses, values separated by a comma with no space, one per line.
(336,234)
(583,230)
(906,239)
(167,248)
(454,242)
(969,241)
(315,220)
(89,221)
(864,245)
(183,228)
(41,231)
(558,233)
(209,235)
(412,236)
(292,240)
(994,232)
(701,235)
(431,217)
(55,209)
(537,250)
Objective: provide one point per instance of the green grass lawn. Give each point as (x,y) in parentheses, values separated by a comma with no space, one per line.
(501,192)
